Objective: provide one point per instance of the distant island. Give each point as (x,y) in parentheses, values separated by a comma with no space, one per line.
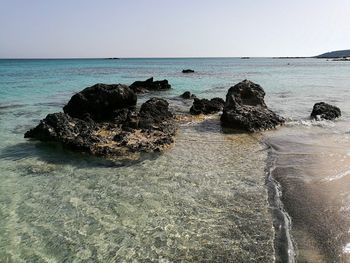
(336,54)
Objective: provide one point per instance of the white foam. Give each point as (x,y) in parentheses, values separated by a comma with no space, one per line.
(310,123)
(346,249)
(337,176)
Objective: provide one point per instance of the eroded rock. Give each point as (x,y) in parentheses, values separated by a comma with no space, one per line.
(150,85)
(205,106)
(188,71)
(245,109)
(322,110)
(100,102)
(124,132)
(187,95)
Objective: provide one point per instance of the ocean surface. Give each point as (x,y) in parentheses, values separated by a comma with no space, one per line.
(277,196)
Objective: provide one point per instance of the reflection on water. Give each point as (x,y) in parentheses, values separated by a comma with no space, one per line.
(203,201)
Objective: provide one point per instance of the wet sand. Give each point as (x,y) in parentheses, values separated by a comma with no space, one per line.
(312,167)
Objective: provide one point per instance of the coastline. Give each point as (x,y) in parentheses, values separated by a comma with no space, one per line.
(226,194)
(309,195)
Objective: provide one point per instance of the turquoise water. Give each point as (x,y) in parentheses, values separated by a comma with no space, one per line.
(204,200)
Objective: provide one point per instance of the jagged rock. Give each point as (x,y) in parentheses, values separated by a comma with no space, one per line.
(187,95)
(188,71)
(153,112)
(125,132)
(60,127)
(245,109)
(150,85)
(205,106)
(100,102)
(322,110)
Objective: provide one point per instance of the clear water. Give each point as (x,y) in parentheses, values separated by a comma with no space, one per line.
(204,200)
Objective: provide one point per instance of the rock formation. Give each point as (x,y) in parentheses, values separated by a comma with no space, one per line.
(107,124)
(322,110)
(150,85)
(100,102)
(205,106)
(245,109)
(187,95)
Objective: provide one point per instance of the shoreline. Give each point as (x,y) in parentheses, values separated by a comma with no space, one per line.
(284,245)
(219,182)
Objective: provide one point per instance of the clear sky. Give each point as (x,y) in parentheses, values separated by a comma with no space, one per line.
(172,28)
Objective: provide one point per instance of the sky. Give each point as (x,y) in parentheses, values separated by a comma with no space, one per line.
(172,28)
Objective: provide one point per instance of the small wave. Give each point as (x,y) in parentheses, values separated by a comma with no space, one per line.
(346,248)
(50,104)
(310,123)
(10,106)
(337,176)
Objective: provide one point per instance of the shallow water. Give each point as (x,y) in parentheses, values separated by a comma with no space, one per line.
(183,205)
(204,200)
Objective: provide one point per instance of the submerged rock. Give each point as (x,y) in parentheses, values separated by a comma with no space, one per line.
(150,85)
(100,102)
(322,110)
(205,106)
(122,132)
(187,95)
(188,71)
(245,109)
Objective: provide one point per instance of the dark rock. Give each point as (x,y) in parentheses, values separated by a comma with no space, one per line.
(124,134)
(246,93)
(150,85)
(100,102)
(245,109)
(60,127)
(325,111)
(204,106)
(155,114)
(187,95)
(188,71)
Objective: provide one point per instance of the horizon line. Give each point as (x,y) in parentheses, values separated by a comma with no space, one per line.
(117,58)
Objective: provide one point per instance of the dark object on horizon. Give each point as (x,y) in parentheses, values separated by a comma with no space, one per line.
(341,59)
(322,110)
(205,106)
(245,57)
(150,85)
(188,71)
(187,95)
(245,109)
(120,132)
(113,58)
(335,54)
(100,101)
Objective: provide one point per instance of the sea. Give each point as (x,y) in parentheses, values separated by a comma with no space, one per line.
(215,196)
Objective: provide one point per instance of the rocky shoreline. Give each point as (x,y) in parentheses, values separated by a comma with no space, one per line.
(103,120)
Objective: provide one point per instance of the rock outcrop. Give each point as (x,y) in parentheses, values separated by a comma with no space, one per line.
(100,102)
(187,95)
(322,110)
(188,71)
(245,109)
(205,106)
(150,85)
(119,132)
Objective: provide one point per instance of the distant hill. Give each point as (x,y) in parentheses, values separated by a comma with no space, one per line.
(335,54)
